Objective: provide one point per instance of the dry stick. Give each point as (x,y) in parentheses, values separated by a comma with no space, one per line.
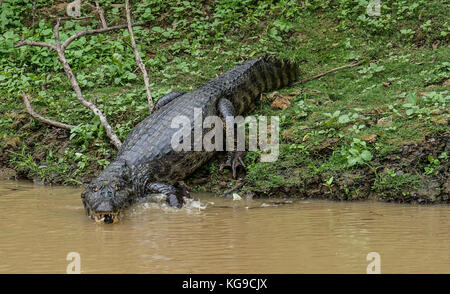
(95,31)
(76,87)
(138,58)
(60,49)
(99,10)
(41,118)
(32,43)
(327,72)
(101,15)
(34,13)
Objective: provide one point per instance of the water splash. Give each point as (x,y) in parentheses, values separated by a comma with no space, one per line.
(158,202)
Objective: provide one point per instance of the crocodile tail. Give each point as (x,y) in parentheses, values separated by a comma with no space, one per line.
(278,73)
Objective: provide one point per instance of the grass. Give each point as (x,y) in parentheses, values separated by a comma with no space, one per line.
(361,115)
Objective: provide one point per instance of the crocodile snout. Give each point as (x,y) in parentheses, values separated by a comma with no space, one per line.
(104,207)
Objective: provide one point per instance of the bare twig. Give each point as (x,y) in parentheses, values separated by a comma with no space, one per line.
(34,13)
(40,117)
(32,43)
(138,57)
(101,15)
(95,31)
(76,87)
(327,72)
(60,50)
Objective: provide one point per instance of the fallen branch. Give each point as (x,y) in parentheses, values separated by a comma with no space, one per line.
(100,13)
(327,72)
(32,43)
(76,87)
(96,31)
(60,50)
(39,117)
(138,57)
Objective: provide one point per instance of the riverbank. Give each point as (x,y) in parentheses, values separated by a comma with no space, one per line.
(376,131)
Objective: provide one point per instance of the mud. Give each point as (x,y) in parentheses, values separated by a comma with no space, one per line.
(354,184)
(358,184)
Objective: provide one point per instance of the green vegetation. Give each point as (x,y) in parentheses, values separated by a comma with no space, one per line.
(339,129)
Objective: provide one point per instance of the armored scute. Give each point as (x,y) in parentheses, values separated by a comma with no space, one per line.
(147,163)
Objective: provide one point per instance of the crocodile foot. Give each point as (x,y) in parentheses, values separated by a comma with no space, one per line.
(174,196)
(234,160)
(183,189)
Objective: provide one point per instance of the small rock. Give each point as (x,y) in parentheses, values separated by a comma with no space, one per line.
(236,197)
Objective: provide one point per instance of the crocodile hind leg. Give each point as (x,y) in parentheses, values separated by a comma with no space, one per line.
(234,158)
(173,196)
(168,98)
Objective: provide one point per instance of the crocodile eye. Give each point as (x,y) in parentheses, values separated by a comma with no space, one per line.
(95,188)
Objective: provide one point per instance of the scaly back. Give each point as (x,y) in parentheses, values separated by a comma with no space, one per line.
(243,84)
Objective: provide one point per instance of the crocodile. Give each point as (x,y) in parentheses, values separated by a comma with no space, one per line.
(146,162)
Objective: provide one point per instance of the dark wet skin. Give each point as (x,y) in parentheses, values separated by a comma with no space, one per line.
(147,163)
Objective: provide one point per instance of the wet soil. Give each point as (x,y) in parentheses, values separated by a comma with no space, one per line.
(353,184)
(361,183)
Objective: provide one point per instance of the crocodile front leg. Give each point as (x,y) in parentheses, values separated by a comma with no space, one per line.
(234,158)
(168,98)
(173,197)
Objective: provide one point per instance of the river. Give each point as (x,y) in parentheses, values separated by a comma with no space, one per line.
(40,226)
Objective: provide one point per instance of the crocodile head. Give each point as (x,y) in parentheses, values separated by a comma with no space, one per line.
(106,196)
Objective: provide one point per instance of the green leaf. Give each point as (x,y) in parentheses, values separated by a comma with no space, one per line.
(343,119)
(410,111)
(366,155)
(157,29)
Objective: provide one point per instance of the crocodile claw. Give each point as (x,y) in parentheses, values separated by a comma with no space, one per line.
(234,160)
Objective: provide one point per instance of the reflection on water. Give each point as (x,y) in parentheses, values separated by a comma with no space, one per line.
(39,226)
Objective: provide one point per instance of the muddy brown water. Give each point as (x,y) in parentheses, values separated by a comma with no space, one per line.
(39,226)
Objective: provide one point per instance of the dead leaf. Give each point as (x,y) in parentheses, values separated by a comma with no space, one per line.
(272,96)
(385,121)
(288,134)
(440,120)
(60,7)
(370,138)
(435,45)
(281,103)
